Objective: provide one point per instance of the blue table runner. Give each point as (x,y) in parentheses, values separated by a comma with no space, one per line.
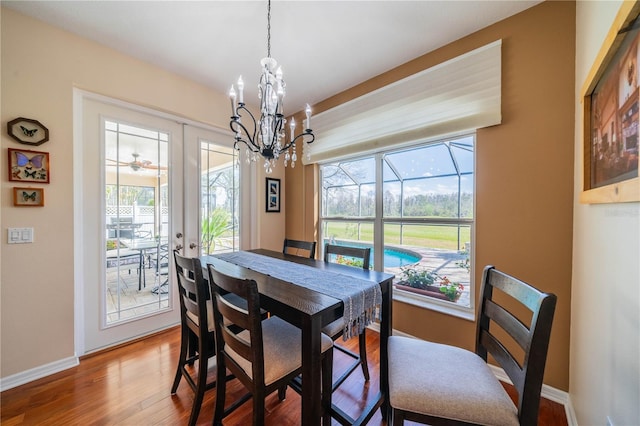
(361,298)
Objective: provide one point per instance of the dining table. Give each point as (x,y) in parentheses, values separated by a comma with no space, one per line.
(310,306)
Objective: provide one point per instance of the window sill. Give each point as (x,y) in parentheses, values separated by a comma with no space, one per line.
(434,304)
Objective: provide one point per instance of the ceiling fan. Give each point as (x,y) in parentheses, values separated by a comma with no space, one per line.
(137,164)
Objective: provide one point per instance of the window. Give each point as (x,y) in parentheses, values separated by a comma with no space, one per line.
(424,197)
(219,188)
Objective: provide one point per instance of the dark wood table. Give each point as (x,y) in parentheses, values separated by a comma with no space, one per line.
(310,311)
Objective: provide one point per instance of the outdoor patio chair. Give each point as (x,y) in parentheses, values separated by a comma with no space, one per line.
(351,256)
(439,384)
(265,356)
(295,246)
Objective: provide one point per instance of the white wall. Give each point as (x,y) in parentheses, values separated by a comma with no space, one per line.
(605,319)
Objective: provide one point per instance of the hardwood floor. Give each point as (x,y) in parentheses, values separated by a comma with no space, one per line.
(130,385)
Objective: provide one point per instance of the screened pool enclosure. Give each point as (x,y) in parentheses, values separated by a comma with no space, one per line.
(420,200)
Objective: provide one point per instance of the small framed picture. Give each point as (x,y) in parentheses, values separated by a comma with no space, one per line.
(28,166)
(273,195)
(28,131)
(28,197)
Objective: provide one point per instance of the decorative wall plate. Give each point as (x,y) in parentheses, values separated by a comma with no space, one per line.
(28,131)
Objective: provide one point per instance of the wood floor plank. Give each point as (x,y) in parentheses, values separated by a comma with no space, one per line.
(131,384)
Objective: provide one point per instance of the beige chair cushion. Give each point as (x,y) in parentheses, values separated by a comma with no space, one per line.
(211,325)
(334,328)
(233,298)
(446,381)
(282,349)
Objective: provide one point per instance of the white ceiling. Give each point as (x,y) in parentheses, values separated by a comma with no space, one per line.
(324,47)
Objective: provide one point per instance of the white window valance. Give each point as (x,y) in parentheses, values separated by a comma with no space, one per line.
(459,95)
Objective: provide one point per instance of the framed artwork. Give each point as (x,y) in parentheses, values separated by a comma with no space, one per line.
(28,131)
(28,197)
(611,116)
(273,195)
(28,166)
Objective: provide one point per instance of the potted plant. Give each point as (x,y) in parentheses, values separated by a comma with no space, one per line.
(428,283)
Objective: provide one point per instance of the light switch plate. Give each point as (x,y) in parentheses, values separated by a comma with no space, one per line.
(19,235)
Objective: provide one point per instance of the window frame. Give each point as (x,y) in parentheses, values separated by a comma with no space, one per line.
(378,221)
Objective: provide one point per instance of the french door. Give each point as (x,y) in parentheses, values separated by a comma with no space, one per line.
(146,185)
(129,219)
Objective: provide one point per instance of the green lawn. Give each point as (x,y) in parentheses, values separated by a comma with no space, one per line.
(442,237)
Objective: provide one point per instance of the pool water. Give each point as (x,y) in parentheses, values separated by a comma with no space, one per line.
(394,257)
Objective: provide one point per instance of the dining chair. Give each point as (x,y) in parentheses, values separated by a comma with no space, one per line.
(295,246)
(439,384)
(266,355)
(197,342)
(353,256)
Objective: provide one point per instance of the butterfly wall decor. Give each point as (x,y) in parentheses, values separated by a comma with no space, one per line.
(28,166)
(28,197)
(28,131)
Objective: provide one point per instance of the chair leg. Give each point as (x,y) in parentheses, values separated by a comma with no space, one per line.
(327,386)
(184,343)
(362,343)
(201,384)
(398,417)
(282,393)
(191,347)
(258,407)
(221,389)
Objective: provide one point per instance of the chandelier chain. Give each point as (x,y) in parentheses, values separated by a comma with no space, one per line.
(269,29)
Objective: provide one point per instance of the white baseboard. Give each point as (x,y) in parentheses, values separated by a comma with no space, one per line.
(27,376)
(548,392)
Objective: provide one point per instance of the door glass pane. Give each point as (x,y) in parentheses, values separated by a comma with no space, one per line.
(219,199)
(136,219)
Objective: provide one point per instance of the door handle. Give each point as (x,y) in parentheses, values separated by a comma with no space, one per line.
(179,247)
(179,235)
(192,246)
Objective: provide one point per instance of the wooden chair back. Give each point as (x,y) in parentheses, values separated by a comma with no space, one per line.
(193,294)
(294,247)
(526,373)
(230,318)
(359,253)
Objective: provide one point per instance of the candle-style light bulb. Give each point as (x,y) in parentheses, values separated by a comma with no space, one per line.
(240,90)
(308,113)
(232,96)
(292,126)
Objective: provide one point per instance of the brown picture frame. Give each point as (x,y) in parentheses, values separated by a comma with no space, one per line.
(28,131)
(28,166)
(611,115)
(28,197)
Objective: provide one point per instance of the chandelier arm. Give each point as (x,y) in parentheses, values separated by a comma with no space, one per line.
(250,141)
(307,132)
(255,127)
(250,147)
(250,144)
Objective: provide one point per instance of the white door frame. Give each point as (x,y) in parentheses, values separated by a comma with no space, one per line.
(246,218)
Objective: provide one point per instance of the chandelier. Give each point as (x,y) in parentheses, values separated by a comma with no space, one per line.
(267,137)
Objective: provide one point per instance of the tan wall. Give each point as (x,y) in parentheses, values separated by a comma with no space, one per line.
(524,178)
(40,67)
